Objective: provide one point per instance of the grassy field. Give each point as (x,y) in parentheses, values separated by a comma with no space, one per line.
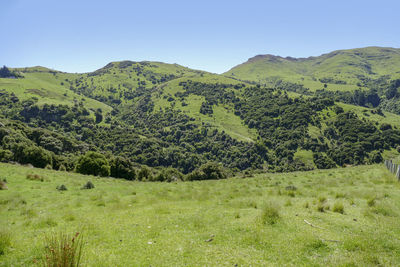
(339,217)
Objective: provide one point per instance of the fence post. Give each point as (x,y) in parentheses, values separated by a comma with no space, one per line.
(398,173)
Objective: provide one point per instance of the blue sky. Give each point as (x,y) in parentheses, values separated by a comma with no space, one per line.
(81,36)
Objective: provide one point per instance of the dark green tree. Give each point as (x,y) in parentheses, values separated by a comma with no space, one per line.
(93,163)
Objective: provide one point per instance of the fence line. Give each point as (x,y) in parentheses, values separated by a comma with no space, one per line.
(393,168)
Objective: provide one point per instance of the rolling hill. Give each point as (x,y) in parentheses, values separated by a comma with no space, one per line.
(166,115)
(340,70)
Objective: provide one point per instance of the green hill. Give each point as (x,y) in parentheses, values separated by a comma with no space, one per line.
(166,115)
(340,70)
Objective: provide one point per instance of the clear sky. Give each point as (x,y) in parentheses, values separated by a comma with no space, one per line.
(82,36)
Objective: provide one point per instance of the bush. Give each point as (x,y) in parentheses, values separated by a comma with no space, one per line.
(145,174)
(34,155)
(208,171)
(63,250)
(169,175)
(270,214)
(338,207)
(93,163)
(122,168)
(61,188)
(62,168)
(88,185)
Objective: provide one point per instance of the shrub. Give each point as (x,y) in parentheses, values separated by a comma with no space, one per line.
(338,207)
(145,174)
(169,175)
(208,171)
(63,250)
(88,185)
(270,214)
(122,168)
(5,241)
(62,168)
(34,155)
(61,188)
(93,163)
(48,167)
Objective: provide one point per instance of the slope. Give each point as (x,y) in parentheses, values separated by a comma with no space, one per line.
(339,70)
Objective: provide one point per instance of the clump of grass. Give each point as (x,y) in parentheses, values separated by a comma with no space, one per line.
(48,167)
(322,199)
(338,207)
(3,185)
(88,185)
(371,202)
(321,207)
(63,250)
(340,195)
(5,241)
(270,213)
(34,177)
(291,194)
(61,188)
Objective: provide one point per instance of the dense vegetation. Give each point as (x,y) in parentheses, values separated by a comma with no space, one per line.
(160,122)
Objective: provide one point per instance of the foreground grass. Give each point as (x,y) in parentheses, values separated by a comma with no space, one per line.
(263,220)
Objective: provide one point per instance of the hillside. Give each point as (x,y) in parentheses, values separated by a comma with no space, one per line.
(340,70)
(165,115)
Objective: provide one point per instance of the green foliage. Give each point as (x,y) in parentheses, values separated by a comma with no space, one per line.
(169,175)
(208,171)
(145,174)
(323,162)
(88,185)
(93,163)
(122,168)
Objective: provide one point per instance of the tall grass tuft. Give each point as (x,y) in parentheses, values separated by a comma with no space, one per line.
(63,250)
(270,213)
(5,241)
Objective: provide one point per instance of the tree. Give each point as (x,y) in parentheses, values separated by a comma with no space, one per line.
(93,163)
(122,168)
(34,155)
(208,171)
(5,72)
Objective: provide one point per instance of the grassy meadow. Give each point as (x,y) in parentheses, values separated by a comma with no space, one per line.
(339,217)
